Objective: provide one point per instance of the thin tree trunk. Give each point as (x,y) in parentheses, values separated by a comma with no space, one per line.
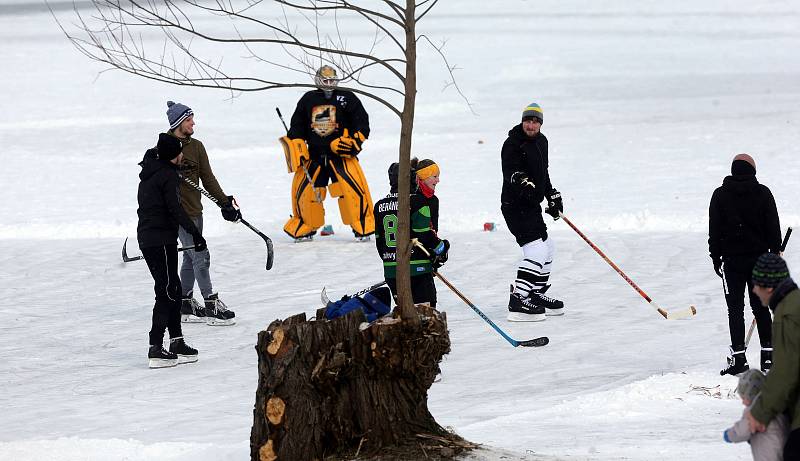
(404,299)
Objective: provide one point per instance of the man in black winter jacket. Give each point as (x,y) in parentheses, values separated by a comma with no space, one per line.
(742,224)
(526,183)
(160,214)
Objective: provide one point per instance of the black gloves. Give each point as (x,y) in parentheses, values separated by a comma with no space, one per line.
(554,204)
(717,261)
(526,186)
(199,243)
(440,254)
(229,212)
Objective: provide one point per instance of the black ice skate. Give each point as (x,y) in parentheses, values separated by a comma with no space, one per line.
(217,313)
(161,358)
(737,362)
(766,359)
(191,310)
(520,309)
(304,238)
(185,353)
(551,306)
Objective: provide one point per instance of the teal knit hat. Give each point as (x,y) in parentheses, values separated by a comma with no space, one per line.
(533,110)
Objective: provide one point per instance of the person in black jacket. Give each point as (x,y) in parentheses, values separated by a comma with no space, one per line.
(160,214)
(424,216)
(742,224)
(526,183)
(327,132)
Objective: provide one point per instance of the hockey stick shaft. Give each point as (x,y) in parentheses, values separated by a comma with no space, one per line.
(127,259)
(267,240)
(305,170)
(532,342)
(667,315)
(753,323)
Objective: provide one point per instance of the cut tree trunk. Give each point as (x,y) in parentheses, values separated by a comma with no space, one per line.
(332,390)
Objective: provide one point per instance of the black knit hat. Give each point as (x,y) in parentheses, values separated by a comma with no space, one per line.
(770,270)
(168,147)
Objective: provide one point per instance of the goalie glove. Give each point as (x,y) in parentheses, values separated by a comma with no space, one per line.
(348,146)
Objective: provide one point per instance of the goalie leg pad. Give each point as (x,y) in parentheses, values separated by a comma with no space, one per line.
(355,201)
(308,214)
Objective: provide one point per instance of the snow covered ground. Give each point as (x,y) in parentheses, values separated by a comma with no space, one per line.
(645,104)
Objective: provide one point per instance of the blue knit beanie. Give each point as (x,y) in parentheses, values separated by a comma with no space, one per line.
(177,113)
(533,110)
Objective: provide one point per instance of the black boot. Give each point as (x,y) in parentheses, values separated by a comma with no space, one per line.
(185,353)
(766,358)
(191,310)
(217,313)
(737,362)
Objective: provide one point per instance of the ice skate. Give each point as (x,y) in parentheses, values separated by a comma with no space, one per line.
(217,313)
(737,362)
(362,238)
(185,353)
(521,309)
(551,306)
(191,310)
(304,238)
(161,358)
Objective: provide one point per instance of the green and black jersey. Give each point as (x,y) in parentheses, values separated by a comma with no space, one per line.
(424,215)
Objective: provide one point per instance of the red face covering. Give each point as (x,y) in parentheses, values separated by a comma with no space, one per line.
(426,191)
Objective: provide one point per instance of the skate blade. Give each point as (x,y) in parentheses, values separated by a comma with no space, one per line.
(520,317)
(554,312)
(163,363)
(187,359)
(215,322)
(189,318)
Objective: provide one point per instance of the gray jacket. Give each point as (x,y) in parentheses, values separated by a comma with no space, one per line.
(767,445)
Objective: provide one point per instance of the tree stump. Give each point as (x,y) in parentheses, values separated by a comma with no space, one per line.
(330,390)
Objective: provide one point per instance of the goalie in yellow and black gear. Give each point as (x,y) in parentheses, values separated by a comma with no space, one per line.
(327,132)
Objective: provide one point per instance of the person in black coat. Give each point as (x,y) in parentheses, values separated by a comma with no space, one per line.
(526,183)
(742,224)
(160,213)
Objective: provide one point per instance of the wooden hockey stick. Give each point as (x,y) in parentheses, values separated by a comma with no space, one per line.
(669,315)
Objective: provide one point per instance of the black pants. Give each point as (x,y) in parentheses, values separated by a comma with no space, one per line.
(423,290)
(525,224)
(791,451)
(163,264)
(737,274)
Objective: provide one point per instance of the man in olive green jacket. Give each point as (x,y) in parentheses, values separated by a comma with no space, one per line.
(196,168)
(776,289)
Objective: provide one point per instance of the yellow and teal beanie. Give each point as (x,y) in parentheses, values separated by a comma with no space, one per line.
(533,110)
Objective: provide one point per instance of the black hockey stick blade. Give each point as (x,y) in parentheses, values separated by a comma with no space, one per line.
(535,342)
(267,240)
(786,239)
(125,257)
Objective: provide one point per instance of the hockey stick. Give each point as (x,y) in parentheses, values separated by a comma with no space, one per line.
(682,314)
(270,251)
(305,170)
(127,259)
(535,342)
(324,295)
(753,323)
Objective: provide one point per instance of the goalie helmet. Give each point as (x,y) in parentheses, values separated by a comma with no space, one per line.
(326,80)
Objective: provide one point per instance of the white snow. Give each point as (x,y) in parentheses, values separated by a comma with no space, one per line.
(645,105)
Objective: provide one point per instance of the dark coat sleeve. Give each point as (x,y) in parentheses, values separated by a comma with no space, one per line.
(772,222)
(512,163)
(169,190)
(715,226)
